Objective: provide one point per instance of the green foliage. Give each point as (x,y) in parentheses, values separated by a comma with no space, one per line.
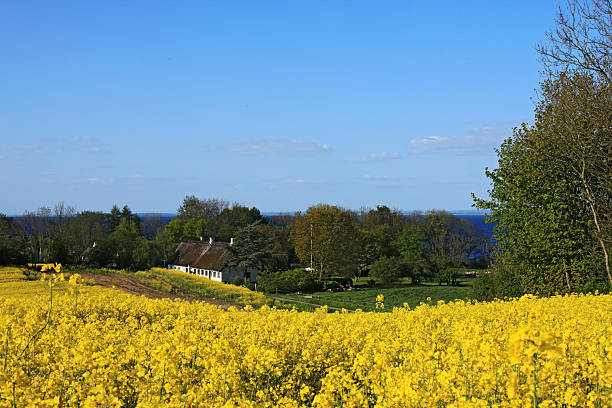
(103,254)
(449,239)
(501,283)
(330,236)
(145,254)
(392,221)
(250,249)
(124,248)
(294,280)
(388,270)
(13,246)
(411,246)
(546,192)
(281,253)
(194,207)
(239,216)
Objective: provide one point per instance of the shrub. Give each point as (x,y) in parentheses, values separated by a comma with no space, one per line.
(342,280)
(293,280)
(502,282)
(386,270)
(330,284)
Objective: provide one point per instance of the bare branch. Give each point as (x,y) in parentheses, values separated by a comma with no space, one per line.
(581,40)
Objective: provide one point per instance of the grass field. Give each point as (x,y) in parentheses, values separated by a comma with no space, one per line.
(364,298)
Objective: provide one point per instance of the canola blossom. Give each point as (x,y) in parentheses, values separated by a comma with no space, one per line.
(107,348)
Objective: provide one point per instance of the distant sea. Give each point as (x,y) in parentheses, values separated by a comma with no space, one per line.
(479,221)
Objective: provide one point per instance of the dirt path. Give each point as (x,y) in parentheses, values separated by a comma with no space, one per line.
(135,287)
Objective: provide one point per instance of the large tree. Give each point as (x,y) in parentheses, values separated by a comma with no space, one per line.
(194,207)
(580,128)
(550,192)
(411,246)
(251,247)
(327,238)
(578,56)
(282,253)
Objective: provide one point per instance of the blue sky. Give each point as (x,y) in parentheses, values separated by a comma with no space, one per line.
(278,105)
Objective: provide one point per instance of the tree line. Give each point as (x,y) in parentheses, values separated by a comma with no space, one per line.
(326,240)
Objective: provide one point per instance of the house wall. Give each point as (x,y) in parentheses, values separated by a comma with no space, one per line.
(231,274)
(205,273)
(226,276)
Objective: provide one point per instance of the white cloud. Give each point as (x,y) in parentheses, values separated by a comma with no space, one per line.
(429,141)
(465,145)
(92,149)
(476,141)
(136,176)
(375,157)
(276,147)
(77,139)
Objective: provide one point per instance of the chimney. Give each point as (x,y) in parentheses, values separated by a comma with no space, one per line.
(210,240)
(231,241)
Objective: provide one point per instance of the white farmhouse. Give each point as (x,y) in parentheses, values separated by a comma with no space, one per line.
(206,259)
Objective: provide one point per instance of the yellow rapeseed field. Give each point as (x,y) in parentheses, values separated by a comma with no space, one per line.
(109,349)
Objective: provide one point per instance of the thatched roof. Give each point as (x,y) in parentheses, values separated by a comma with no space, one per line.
(200,254)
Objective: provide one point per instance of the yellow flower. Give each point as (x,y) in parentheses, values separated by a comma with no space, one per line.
(116,349)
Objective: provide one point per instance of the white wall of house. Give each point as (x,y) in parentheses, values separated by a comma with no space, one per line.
(226,276)
(205,273)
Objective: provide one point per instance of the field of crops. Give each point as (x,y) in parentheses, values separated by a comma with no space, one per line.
(105,348)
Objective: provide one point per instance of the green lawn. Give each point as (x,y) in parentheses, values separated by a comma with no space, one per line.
(395,295)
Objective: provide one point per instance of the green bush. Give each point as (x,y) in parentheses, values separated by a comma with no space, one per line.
(293,280)
(502,282)
(342,280)
(593,285)
(387,270)
(330,284)
(238,281)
